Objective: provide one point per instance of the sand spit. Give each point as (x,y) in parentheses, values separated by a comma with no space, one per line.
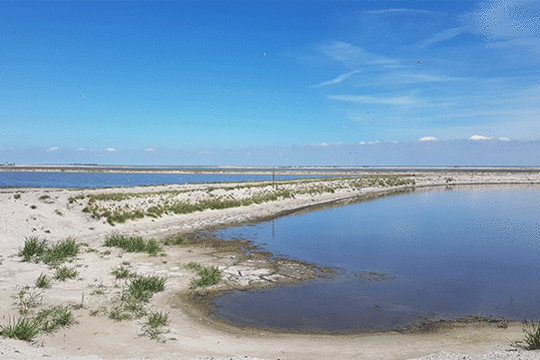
(87,215)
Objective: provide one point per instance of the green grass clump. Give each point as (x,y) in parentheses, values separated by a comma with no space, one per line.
(532,335)
(133,244)
(176,240)
(123,273)
(209,275)
(144,287)
(33,249)
(153,327)
(63,273)
(55,317)
(43,197)
(61,251)
(43,282)
(38,250)
(23,329)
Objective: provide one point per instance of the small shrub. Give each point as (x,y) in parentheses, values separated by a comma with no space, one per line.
(17,196)
(58,212)
(43,282)
(23,329)
(43,197)
(65,273)
(33,207)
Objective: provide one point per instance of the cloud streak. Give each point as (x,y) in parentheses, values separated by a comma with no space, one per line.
(364,99)
(337,80)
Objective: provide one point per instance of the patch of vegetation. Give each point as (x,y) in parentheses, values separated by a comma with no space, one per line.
(176,240)
(133,244)
(55,317)
(27,299)
(33,249)
(209,275)
(33,207)
(532,335)
(58,212)
(144,287)
(123,273)
(23,329)
(47,320)
(60,252)
(17,196)
(63,273)
(154,326)
(43,197)
(38,250)
(43,282)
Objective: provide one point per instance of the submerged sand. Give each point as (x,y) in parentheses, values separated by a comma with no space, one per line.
(50,214)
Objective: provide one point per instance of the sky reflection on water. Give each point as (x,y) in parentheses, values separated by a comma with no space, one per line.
(450,252)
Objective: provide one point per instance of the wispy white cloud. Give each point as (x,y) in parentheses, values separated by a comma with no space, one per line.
(80,149)
(384,11)
(352,56)
(428,138)
(149,149)
(504,139)
(110,149)
(54,148)
(364,99)
(337,80)
(441,36)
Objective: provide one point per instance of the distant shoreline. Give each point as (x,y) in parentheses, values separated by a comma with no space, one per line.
(256,170)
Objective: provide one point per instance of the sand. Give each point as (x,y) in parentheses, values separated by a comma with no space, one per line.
(49,214)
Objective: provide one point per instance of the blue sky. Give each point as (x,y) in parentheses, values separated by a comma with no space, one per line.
(270,82)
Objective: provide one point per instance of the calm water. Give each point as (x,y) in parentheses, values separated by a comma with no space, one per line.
(444,253)
(100,180)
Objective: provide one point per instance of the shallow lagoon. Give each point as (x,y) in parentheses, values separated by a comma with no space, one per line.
(399,260)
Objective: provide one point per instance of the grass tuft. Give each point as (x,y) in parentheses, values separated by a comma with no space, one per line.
(176,240)
(532,335)
(55,317)
(63,273)
(38,250)
(23,329)
(153,327)
(142,288)
(43,282)
(33,249)
(123,273)
(209,275)
(133,244)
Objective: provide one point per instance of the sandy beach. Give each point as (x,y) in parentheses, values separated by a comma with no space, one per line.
(159,212)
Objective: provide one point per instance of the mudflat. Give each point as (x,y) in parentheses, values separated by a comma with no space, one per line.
(173,212)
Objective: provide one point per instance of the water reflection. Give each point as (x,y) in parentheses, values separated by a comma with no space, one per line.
(446,253)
